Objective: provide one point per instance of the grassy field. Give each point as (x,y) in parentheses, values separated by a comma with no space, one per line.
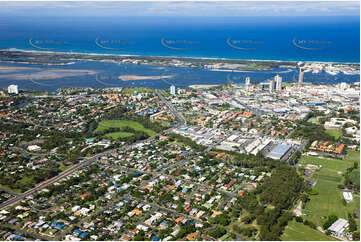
(334,132)
(131,90)
(104,125)
(117,135)
(165,93)
(329,199)
(225,237)
(7,188)
(298,232)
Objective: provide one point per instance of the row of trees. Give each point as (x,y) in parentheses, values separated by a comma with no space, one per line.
(186,141)
(312,132)
(348,181)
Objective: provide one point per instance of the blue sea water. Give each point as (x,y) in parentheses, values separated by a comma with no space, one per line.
(328,39)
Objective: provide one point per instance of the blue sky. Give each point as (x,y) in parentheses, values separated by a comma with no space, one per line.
(150,8)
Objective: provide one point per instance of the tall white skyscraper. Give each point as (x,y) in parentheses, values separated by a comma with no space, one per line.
(278,81)
(13,89)
(172,90)
(300,77)
(248,81)
(271,85)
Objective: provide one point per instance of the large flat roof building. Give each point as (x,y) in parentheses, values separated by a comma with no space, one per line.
(338,228)
(279,151)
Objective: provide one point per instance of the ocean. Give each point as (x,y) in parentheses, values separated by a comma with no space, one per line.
(322,39)
(326,39)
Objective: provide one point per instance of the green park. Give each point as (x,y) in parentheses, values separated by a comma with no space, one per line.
(328,199)
(121,124)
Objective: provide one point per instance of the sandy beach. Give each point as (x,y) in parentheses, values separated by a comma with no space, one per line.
(203,86)
(137,78)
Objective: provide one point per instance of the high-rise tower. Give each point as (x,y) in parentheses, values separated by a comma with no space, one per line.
(248,81)
(278,81)
(300,77)
(172,90)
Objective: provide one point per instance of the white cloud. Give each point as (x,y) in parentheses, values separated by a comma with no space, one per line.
(148,8)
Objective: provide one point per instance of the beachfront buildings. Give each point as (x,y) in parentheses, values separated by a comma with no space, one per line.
(278,81)
(13,89)
(172,90)
(248,81)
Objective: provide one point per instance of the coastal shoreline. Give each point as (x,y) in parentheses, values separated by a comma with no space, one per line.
(38,52)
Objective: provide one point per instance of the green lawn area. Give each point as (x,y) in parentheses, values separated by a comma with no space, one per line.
(130,90)
(117,135)
(165,93)
(298,231)
(7,188)
(226,237)
(329,199)
(26,181)
(334,132)
(104,125)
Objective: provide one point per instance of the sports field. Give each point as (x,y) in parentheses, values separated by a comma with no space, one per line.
(329,199)
(334,132)
(298,232)
(104,125)
(116,135)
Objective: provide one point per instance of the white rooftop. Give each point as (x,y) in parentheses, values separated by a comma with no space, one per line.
(347,196)
(339,226)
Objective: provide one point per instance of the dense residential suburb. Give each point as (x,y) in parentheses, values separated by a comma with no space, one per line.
(229,162)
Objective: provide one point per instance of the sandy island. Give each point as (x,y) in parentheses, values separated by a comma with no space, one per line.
(48,74)
(203,86)
(13,68)
(137,78)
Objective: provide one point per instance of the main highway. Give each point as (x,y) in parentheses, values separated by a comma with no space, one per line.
(181,121)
